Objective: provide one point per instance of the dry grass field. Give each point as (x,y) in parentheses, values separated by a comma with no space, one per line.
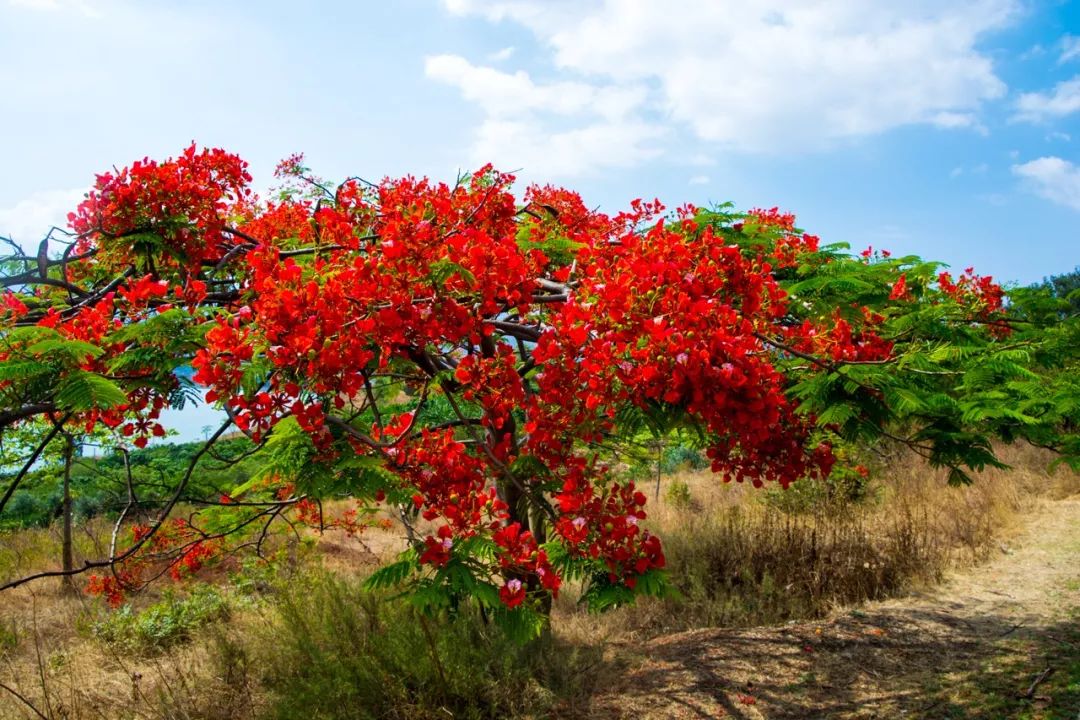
(918,600)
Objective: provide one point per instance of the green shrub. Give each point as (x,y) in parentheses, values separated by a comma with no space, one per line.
(683,457)
(9,637)
(678,495)
(163,624)
(336,651)
(835,493)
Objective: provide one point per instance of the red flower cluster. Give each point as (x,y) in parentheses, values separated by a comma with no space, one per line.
(175,546)
(840,341)
(452,485)
(980,297)
(111,587)
(603,523)
(520,557)
(673,315)
(181,202)
(98,325)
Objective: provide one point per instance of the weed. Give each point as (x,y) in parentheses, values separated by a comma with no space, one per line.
(165,623)
(677,494)
(335,651)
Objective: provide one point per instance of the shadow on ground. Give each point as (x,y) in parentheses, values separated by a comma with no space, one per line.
(914,663)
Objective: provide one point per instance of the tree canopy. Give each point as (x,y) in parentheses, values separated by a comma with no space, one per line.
(471,360)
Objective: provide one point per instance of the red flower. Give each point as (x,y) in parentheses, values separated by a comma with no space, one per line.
(512,593)
(899,289)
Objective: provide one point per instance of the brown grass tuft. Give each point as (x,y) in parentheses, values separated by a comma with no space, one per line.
(742,557)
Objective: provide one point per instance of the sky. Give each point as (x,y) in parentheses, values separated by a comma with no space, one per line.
(944,128)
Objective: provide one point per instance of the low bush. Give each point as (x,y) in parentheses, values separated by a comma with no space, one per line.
(759,565)
(683,457)
(336,651)
(163,624)
(677,494)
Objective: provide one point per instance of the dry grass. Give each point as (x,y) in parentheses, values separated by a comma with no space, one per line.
(738,559)
(36,549)
(50,656)
(968,648)
(64,673)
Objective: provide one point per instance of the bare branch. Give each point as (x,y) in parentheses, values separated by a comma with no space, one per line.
(154,527)
(30,462)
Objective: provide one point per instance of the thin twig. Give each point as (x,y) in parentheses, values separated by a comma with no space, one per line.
(157,524)
(1037,682)
(24,701)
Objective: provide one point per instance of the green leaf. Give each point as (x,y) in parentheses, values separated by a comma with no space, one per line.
(74,350)
(906,401)
(654,583)
(958,477)
(394,574)
(602,596)
(22,370)
(952,353)
(521,624)
(83,390)
(835,415)
(443,270)
(487,594)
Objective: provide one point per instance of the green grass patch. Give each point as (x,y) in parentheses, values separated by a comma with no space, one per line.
(167,622)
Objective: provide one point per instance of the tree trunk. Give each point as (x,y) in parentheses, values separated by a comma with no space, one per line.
(659,465)
(512,491)
(67,581)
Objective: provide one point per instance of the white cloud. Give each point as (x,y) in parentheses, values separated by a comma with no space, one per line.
(1070,48)
(502,55)
(551,129)
(980,169)
(1034,51)
(503,94)
(545,153)
(1063,100)
(953,120)
(958,121)
(1053,178)
(765,75)
(27,221)
(699,180)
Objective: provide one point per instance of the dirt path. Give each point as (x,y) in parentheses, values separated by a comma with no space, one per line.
(968,649)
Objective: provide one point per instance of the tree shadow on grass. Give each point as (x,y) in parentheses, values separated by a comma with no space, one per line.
(878,664)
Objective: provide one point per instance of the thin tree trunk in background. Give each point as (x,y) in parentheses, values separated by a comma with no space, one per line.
(659,463)
(67,582)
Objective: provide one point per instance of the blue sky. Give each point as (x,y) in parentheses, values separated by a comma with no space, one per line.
(947,129)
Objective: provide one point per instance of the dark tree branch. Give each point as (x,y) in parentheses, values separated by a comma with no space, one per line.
(516,330)
(56,428)
(8,417)
(157,524)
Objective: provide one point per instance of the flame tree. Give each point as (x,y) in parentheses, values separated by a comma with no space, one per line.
(465,358)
